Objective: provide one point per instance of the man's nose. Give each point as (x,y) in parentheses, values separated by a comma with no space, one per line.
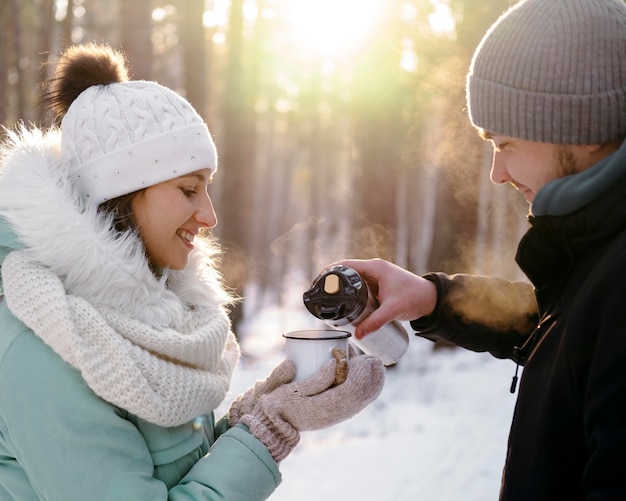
(499,173)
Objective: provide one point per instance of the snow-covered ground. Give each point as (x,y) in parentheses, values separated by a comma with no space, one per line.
(437,432)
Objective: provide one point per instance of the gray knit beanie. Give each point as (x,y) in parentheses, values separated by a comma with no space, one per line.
(552,71)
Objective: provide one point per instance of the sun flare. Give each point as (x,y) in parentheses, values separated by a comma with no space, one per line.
(330,27)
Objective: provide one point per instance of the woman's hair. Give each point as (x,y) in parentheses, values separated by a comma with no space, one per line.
(121,211)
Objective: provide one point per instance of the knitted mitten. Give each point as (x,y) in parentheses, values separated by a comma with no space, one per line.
(245,403)
(315,403)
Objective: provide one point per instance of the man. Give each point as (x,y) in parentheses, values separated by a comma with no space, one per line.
(547,87)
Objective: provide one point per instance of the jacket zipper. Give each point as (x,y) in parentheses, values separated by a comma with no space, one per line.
(521,353)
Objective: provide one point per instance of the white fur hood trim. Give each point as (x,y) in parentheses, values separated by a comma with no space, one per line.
(78,245)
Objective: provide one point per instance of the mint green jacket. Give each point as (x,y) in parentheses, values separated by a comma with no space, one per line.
(61,442)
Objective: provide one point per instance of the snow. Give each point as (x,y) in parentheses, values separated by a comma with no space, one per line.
(438,431)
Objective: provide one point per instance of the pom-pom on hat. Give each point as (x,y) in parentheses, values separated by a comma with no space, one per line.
(552,71)
(122,136)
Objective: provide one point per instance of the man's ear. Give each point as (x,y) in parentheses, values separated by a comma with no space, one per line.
(593,153)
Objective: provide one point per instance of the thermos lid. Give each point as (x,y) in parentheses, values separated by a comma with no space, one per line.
(337,293)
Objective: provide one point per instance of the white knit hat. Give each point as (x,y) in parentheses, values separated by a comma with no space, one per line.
(122,137)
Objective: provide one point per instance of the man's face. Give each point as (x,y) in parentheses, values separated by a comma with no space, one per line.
(528,165)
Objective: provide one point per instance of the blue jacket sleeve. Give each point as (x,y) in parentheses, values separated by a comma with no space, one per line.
(58,440)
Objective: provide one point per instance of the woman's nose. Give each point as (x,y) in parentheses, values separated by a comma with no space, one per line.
(205,214)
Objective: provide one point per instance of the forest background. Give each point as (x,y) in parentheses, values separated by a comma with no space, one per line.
(341,125)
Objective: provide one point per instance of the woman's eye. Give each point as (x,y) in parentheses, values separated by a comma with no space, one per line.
(188,193)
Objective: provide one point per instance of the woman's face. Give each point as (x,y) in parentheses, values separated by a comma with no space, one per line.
(169,215)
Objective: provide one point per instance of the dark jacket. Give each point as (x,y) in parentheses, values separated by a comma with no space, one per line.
(568,436)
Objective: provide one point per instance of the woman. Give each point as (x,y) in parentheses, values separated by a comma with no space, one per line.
(115,344)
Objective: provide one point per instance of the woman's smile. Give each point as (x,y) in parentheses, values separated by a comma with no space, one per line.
(171,213)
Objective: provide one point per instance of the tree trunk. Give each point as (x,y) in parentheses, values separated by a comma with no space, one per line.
(68,24)
(17,54)
(194,53)
(237,157)
(45,42)
(136,31)
(5,45)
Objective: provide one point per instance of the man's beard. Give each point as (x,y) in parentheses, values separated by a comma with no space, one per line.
(566,160)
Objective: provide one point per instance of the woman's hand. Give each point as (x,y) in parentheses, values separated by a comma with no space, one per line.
(315,403)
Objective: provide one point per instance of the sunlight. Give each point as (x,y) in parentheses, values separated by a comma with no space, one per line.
(441,20)
(330,27)
(217,16)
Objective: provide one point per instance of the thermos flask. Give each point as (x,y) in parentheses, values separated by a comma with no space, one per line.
(342,299)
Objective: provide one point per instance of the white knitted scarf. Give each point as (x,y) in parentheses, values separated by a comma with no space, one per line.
(162,349)
(161,375)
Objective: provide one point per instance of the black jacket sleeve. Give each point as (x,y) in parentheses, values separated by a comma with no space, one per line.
(480,313)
